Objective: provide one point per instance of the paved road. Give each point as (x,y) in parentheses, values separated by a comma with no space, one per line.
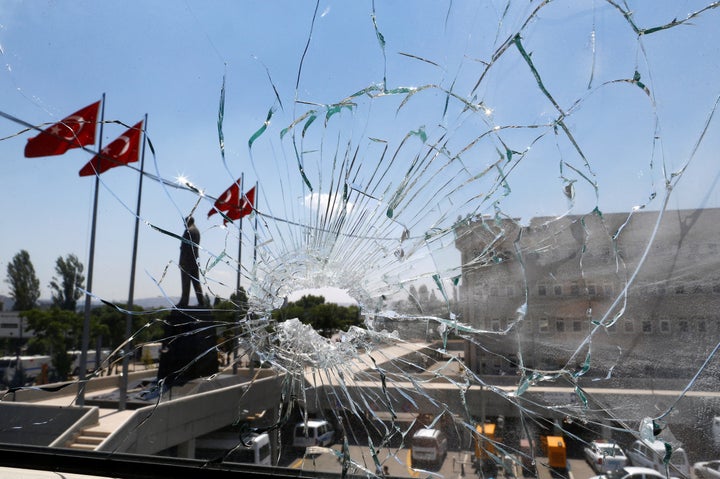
(395,462)
(458,464)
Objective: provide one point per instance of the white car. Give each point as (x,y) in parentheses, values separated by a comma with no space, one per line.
(706,470)
(633,472)
(604,456)
(652,454)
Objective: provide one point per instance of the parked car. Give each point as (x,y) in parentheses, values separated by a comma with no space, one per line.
(706,470)
(632,472)
(652,454)
(313,433)
(604,456)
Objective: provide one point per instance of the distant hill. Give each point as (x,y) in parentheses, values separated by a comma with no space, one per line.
(157,302)
(8,303)
(145,303)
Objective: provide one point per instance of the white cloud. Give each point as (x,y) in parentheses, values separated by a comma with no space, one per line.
(324,202)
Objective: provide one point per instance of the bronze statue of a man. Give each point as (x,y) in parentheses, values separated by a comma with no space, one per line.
(189,270)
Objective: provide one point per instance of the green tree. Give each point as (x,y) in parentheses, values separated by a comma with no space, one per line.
(414,300)
(24,285)
(233,309)
(423,294)
(326,318)
(109,322)
(67,285)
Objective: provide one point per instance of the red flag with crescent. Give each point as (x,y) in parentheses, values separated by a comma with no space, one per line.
(228,200)
(231,206)
(74,131)
(244,208)
(125,149)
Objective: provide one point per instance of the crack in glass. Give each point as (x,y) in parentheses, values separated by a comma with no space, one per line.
(519,197)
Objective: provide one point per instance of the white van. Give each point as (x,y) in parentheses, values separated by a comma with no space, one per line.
(651,454)
(31,366)
(257,450)
(91,360)
(429,446)
(313,433)
(254,449)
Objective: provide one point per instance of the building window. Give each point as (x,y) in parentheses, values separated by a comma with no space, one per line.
(560,325)
(558,290)
(574,289)
(716,288)
(701,326)
(647,326)
(664,326)
(543,325)
(541,290)
(510,291)
(683,326)
(697,289)
(629,326)
(9,325)
(577,325)
(591,289)
(680,289)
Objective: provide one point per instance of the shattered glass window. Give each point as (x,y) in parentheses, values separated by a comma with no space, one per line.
(437,238)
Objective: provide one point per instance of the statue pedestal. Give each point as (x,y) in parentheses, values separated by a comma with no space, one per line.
(189,347)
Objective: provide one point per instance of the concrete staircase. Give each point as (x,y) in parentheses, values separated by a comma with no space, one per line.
(88,439)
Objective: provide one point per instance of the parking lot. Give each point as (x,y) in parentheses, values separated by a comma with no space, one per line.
(394,459)
(397,463)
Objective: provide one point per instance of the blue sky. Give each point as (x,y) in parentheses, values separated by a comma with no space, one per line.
(168,60)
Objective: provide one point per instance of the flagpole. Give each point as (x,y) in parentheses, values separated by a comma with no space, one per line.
(88,298)
(240,202)
(239,271)
(128,349)
(257,197)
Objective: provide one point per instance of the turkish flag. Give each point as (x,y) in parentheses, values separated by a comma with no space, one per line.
(74,131)
(228,200)
(244,208)
(125,149)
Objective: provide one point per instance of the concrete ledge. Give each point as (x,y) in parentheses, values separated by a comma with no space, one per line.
(70,388)
(39,425)
(90,418)
(157,427)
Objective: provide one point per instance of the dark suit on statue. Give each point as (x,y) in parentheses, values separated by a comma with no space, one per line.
(189,270)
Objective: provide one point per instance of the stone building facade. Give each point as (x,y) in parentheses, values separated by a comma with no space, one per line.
(619,294)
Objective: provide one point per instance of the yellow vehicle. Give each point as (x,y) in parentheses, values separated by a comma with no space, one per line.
(484,441)
(554,448)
